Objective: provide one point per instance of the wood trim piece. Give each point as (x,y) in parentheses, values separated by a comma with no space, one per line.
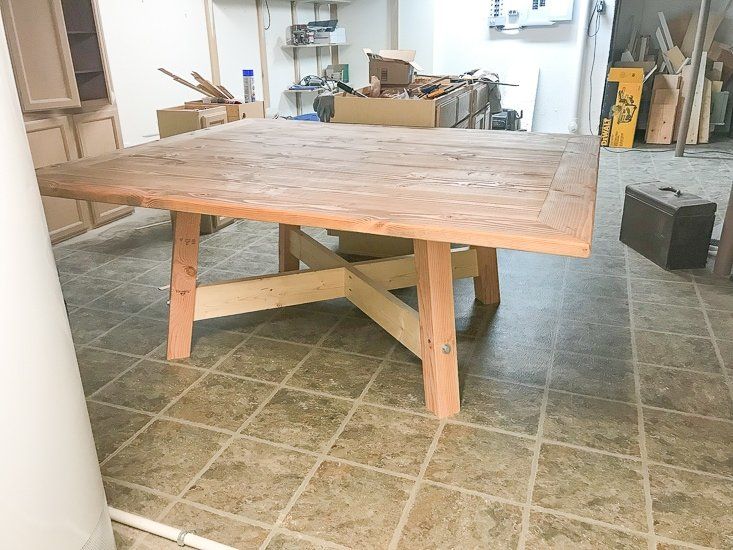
(25,64)
(262,41)
(213,44)
(437,327)
(184,267)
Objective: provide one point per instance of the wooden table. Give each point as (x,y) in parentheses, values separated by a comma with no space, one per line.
(487,190)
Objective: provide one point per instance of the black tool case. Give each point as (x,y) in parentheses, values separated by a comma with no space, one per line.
(668,226)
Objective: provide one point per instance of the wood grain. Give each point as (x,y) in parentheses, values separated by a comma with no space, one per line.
(286,260)
(522,191)
(486,284)
(437,327)
(184,266)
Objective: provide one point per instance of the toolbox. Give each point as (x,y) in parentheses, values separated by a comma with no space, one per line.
(668,226)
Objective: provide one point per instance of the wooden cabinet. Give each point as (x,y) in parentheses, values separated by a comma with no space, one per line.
(51,142)
(41,55)
(98,132)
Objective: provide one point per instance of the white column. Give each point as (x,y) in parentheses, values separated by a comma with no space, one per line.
(51,493)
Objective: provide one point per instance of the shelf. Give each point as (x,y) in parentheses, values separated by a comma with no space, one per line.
(89,71)
(338,2)
(317,91)
(288,46)
(80,33)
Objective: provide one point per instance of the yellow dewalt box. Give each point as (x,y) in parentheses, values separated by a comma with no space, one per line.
(620,117)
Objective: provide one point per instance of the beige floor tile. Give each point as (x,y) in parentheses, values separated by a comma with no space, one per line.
(251,479)
(722,323)
(717,296)
(165,457)
(98,367)
(221,401)
(349,505)
(674,350)
(484,461)
(299,419)
(513,363)
(136,335)
(298,325)
(221,529)
(207,348)
(88,324)
(699,393)
(692,507)
(360,335)
(590,422)
(133,500)
(666,318)
(334,372)
(592,485)
(441,518)
(500,405)
(292,542)
(398,385)
(264,359)
(689,441)
(593,376)
(111,427)
(149,387)
(548,532)
(386,439)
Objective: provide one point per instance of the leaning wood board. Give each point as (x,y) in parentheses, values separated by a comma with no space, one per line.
(515,190)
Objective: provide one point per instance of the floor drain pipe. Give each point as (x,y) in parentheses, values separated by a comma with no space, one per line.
(180,536)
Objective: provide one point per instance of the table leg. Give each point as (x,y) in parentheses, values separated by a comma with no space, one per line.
(437,327)
(288,262)
(184,266)
(486,285)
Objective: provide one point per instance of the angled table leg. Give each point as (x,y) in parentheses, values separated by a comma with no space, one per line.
(287,261)
(486,285)
(184,266)
(437,327)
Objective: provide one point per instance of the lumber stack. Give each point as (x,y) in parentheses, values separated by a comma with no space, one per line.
(665,58)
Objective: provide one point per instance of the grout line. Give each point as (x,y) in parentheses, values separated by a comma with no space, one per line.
(397,534)
(646,484)
(541,425)
(325,449)
(716,347)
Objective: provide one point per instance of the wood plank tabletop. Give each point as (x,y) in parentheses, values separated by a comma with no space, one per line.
(517,190)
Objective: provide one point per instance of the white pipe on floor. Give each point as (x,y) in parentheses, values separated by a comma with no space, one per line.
(180,536)
(581,44)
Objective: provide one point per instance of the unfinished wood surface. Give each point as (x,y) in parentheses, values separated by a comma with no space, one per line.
(486,284)
(513,190)
(662,114)
(184,266)
(287,261)
(703,135)
(437,327)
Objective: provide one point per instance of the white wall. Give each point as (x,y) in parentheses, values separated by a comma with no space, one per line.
(462,41)
(142,35)
(367,24)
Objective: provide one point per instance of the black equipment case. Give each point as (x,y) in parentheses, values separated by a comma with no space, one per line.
(668,226)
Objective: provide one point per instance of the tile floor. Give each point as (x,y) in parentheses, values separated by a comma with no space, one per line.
(597,406)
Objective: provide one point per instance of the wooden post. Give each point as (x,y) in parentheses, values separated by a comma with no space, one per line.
(437,327)
(684,126)
(486,285)
(288,262)
(184,266)
(213,45)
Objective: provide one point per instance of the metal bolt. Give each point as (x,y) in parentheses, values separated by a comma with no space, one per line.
(446,348)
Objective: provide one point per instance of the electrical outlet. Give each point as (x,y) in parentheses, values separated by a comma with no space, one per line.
(601,6)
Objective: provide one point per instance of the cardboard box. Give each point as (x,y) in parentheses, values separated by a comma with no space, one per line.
(442,112)
(392,67)
(234,112)
(620,118)
(181,119)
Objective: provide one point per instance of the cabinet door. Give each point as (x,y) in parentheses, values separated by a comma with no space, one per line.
(98,133)
(39,48)
(51,142)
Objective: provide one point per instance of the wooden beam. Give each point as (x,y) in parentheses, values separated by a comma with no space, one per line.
(311,252)
(388,311)
(486,284)
(286,260)
(213,45)
(437,327)
(262,42)
(268,292)
(184,266)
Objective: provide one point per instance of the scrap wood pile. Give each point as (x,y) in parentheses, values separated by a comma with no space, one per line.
(665,59)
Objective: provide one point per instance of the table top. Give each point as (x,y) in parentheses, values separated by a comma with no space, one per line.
(499,189)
